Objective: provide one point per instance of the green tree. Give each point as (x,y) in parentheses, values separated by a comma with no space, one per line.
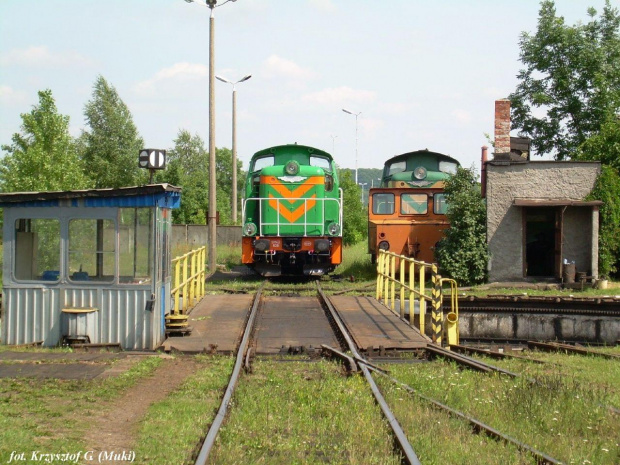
(463,254)
(43,156)
(603,146)
(223,167)
(607,189)
(570,85)
(111,145)
(354,216)
(187,168)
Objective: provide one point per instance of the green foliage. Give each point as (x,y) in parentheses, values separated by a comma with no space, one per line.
(572,73)
(110,148)
(354,216)
(43,155)
(463,252)
(607,189)
(187,168)
(223,169)
(603,146)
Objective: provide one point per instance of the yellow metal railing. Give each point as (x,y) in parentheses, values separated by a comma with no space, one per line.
(188,284)
(411,283)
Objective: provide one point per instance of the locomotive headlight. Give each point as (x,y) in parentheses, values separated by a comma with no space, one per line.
(384,245)
(249,229)
(292,168)
(419,172)
(333,229)
(321,245)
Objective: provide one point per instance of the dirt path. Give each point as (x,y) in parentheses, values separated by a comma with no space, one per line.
(114,429)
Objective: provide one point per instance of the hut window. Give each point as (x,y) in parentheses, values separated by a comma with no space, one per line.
(134,234)
(92,250)
(37,250)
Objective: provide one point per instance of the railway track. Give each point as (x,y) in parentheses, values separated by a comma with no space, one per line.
(266,318)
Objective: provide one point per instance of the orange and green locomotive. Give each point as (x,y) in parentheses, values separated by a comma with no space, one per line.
(292,212)
(407,212)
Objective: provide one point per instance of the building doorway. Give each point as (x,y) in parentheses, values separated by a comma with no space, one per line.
(541,242)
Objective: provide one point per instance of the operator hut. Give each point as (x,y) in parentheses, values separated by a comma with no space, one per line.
(539,217)
(90,266)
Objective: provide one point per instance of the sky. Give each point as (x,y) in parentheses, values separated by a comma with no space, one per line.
(423,74)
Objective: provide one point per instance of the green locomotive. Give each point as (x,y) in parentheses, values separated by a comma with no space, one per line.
(292,212)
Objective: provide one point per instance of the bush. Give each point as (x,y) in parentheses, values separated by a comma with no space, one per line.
(463,253)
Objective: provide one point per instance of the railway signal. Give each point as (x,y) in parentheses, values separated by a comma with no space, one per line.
(152,159)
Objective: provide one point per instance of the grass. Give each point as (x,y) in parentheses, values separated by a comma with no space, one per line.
(181,420)
(303,413)
(50,415)
(563,413)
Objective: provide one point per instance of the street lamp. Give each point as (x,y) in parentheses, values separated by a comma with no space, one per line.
(234,141)
(362,185)
(212,214)
(356,115)
(333,144)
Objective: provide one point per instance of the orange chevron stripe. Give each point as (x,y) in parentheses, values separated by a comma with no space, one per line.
(298,192)
(291,216)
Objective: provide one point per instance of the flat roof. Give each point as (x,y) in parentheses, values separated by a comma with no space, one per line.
(150,194)
(522,202)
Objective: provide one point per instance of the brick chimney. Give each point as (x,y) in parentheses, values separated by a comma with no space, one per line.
(502,126)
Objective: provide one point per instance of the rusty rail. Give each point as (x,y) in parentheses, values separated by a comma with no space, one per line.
(557,347)
(209,441)
(541,458)
(409,455)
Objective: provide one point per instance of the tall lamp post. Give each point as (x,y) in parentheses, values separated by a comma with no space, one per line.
(212,214)
(362,185)
(234,141)
(356,115)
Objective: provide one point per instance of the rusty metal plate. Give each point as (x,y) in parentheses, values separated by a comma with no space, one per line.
(292,322)
(217,323)
(373,325)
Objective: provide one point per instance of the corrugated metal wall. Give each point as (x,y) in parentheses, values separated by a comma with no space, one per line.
(35,314)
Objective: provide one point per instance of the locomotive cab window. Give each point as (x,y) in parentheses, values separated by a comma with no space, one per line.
(320,162)
(397,167)
(414,204)
(383,204)
(447,167)
(440,207)
(263,162)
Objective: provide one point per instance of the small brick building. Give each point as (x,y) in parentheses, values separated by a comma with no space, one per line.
(537,215)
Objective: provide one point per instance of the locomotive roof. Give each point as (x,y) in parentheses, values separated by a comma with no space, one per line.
(275,148)
(408,155)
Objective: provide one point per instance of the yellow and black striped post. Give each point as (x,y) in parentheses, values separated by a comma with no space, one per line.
(436,315)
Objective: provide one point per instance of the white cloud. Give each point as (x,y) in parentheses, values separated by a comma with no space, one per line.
(275,67)
(178,73)
(38,57)
(340,96)
(323,5)
(10,96)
